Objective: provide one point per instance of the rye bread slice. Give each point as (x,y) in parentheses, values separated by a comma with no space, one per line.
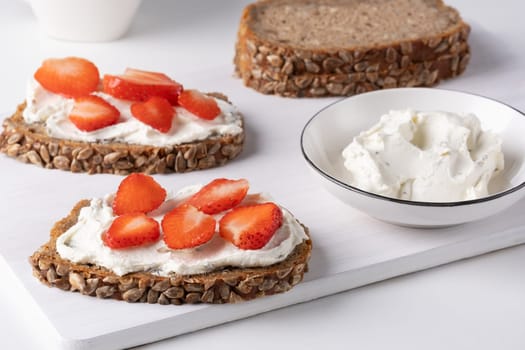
(317,48)
(30,143)
(228,285)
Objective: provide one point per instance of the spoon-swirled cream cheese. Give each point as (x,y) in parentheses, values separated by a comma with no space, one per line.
(53,110)
(425,156)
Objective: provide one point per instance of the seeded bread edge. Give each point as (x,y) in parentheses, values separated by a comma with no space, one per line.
(30,143)
(229,285)
(281,69)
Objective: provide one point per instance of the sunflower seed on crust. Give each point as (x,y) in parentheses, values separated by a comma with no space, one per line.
(77,282)
(62,269)
(61,162)
(34,158)
(44,264)
(163,300)
(14,138)
(153,296)
(174,292)
(193,287)
(62,283)
(13,150)
(275,60)
(91,285)
(85,153)
(76,166)
(161,286)
(235,298)
(193,298)
(51,275)
(105,292)
(44,154)
(133,295)
(207,296)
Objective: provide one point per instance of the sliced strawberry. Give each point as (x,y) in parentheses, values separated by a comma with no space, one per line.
(92,112)
(156,112)
(138,85)
(219,195)
(131,230)
(70,76)
(138,193)
(187,227)
(251,227)
(201,105)
(138,74)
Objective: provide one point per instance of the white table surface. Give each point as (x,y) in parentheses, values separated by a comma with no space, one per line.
(477,303)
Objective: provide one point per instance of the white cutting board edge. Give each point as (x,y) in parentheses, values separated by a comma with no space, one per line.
(304,292)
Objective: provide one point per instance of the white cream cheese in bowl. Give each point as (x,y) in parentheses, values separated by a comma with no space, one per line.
(82,243)
(330,131)
(425,156)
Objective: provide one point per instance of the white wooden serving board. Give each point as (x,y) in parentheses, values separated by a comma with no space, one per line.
(350,249)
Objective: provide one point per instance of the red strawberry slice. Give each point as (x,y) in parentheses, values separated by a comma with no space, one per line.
(219,195)
(138,85)
(139,75)
(156,112)
(131,230)
(138,193)
(92,112)
(251,227)
(201,105)
(187,227)
(70,76)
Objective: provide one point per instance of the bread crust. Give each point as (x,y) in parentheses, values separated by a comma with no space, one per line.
(292,71)
(229,285)
(30,143)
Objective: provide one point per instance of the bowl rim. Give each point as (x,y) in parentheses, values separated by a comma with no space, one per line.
(397,200)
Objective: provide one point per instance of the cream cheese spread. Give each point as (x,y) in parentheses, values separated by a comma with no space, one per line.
(424,156)
(53,110)
(82,243)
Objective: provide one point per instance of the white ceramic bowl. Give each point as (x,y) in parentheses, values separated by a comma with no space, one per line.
(85,20)
(333,128)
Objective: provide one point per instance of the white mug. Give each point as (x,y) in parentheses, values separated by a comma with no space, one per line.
(85,20)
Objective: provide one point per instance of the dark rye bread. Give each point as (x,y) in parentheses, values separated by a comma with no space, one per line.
(30,143)
(229,285)
(317,48)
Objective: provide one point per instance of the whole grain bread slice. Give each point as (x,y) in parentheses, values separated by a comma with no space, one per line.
(30,143)
(228,285)
(319,48)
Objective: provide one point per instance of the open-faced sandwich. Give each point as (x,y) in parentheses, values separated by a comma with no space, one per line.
(214,244)
(138,121)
